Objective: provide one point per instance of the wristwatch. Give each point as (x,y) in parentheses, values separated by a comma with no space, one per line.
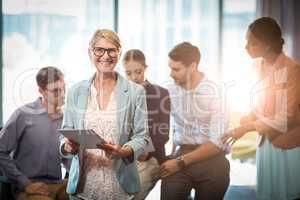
(180,162)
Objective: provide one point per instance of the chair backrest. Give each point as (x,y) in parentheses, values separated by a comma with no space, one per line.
(3,179)
(6,191)
(5,186)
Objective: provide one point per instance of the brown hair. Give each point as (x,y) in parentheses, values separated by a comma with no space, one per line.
(48,75)
(134,55)
(109,35)
(267,30)
(186,53)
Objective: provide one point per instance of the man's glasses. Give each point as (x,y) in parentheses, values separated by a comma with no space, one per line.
(56,91)
(111,52)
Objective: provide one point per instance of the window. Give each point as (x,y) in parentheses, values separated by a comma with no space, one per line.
(236,63)
(156,26)
(39,33)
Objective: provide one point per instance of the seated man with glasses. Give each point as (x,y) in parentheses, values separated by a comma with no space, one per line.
(29,142)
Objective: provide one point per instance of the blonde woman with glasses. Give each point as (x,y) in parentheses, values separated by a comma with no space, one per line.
(116,110)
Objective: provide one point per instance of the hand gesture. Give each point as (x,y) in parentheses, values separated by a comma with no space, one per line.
(168,168)
(70,147)
(113,151)
(232,136)
(37,188)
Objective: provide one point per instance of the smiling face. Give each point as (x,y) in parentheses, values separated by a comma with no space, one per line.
(135,71)
(104,55)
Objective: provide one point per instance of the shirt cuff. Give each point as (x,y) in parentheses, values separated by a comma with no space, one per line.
(23,181)
(129,159)
(217,141)
(67,156)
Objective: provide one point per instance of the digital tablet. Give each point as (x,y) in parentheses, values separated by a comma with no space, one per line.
(87,138)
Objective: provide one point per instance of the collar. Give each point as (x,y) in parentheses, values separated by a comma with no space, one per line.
(38,106)
(122,84)
(204,78)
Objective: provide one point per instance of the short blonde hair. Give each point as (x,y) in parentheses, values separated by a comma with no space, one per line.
(107,34)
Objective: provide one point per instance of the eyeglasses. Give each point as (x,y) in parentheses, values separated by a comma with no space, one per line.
(56,91)
(111,52)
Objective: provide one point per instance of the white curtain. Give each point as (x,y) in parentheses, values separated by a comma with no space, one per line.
(286,12)
(39,33)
